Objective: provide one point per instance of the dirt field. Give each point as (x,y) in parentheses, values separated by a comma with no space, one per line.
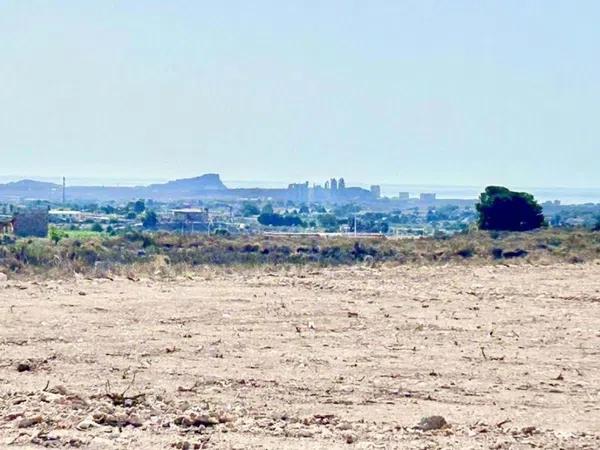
(305,358)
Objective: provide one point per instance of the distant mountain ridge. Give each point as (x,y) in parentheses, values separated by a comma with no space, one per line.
(31,184)
(209,181)
(202,186)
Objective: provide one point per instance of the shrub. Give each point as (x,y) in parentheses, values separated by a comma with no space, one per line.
(519,253)
(97,228)
(250,209)
(467,252)
(497,253)
(57,235)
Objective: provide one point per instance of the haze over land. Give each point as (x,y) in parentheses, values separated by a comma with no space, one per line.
(565,195)
(452,93)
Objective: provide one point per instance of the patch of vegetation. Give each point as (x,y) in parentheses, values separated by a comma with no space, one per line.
(141,251)
(505,210)
(279,220)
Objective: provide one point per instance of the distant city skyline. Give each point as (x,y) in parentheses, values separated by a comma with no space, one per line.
(568,195)
(414,92)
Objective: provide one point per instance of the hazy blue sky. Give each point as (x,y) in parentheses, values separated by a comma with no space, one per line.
(449,92)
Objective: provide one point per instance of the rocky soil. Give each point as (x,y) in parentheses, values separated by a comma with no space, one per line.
(458,356)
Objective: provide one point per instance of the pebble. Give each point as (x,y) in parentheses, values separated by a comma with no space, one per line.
(305,433)
(86,425)
(350,439)
(52,437)
(30,421)
(431,423)
(226,418)
(24,366)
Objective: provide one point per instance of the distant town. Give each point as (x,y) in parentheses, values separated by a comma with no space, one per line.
(206,205)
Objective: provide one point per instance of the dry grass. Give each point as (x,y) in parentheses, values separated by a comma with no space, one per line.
(167,254)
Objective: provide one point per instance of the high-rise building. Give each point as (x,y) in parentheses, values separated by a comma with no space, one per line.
(376,191)
(334,184)
(341,184)
(298,191)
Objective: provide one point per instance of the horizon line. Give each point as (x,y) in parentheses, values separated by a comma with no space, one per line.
(127,182)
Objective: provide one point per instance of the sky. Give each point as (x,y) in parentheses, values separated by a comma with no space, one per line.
(406,92)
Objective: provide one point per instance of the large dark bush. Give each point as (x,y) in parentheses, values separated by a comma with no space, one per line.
(502,209)
(278,220)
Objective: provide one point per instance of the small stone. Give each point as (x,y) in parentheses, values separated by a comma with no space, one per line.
(350,439)
(345,426)
(59,389)
(134,421)
(207,421)
(305,433)
(75,443)
(52,437)
(12,416)
(30,421)
(431,423)
(99,417)
(86,425)
(113,420)
(183,422)
(226,418)
(24,366)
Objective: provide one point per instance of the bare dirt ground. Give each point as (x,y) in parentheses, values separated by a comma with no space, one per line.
(305,358)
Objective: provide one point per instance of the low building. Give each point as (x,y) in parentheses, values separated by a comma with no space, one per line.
(403,196)
(65,216)
(31,223)
(191,215)
(187,221)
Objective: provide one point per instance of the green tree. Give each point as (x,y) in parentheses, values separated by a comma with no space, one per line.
(150,220)
(250,209)
(97,228)
(504,210)
(277,220)
(139,206)
(56,235)
(329,222)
